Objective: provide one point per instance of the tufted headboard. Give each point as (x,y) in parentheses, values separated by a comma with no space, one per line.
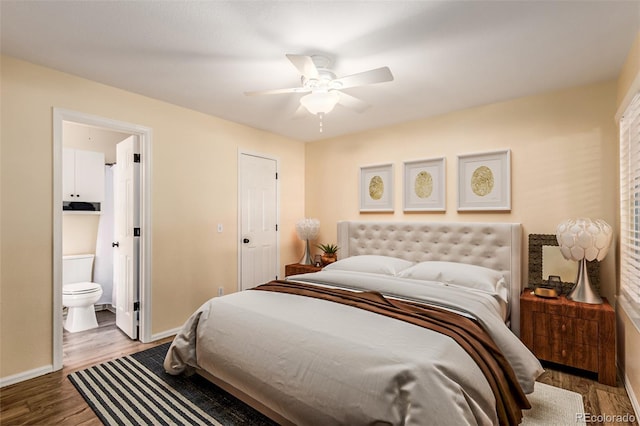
(492,245)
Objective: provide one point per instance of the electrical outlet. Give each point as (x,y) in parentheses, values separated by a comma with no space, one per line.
(220,291)
(219,227)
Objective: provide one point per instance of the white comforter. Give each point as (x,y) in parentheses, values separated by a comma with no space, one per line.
(320,363)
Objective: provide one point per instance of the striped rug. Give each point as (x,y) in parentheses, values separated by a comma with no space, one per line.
(134,390)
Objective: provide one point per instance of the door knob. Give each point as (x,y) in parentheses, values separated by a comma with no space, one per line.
(246,241)
(116,244)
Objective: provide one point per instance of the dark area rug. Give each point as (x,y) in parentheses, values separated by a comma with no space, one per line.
(136,390)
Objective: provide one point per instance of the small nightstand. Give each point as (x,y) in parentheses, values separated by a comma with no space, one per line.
(296,268)
(578,335)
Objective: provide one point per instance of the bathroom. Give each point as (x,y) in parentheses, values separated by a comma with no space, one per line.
(88,225)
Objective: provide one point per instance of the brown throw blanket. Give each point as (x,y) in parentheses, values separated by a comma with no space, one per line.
(510,399)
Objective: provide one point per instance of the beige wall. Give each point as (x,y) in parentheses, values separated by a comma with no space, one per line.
(563,150)
(89,138)
(194,187)
(627,332)
(79,233)
(630,73)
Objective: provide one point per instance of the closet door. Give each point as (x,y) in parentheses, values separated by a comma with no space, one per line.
(258,227)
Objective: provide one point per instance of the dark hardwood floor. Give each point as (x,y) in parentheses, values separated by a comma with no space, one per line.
(599,400)
(52,399)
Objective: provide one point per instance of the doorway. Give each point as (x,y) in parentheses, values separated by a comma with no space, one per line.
(143,136)
(258,210)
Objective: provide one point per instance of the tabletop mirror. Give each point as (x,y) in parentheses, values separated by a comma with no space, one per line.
(546,259)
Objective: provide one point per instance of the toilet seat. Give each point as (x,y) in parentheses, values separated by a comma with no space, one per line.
(80,288)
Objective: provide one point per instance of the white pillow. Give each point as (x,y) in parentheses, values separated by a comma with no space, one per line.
(370,263)
(460,274)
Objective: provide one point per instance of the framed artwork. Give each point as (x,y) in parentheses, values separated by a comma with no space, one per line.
(424,185)
(484,181)
(376,188)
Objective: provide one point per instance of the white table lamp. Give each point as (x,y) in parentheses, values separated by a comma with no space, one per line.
(583,240)
(307,229)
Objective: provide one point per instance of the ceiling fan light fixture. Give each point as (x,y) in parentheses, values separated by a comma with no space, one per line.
(320,102)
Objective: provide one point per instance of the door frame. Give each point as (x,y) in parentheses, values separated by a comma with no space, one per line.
(239,237)
(145,136)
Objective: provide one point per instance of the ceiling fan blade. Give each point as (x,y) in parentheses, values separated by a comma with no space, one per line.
(305,65)
(277,91)
(352,102)
(378,75)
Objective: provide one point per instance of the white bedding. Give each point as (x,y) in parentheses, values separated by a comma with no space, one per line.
(318,362)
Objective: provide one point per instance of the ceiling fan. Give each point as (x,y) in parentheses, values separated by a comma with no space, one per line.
(323,88)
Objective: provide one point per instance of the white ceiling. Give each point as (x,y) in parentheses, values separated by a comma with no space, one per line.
(444,55)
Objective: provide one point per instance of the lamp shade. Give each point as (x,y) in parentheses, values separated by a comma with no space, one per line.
(584,238)
(320,102)
(308,229)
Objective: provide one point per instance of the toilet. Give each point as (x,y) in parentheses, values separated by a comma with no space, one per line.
(79,294)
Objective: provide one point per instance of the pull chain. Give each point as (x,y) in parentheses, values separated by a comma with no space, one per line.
(321,115)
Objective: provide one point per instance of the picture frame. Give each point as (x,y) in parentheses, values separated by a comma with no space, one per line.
(424,188)
(484,181)
(376,188)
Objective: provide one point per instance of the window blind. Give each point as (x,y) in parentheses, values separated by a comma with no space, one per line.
(630,202)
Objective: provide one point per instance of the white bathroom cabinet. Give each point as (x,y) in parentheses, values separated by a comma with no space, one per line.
(82,175)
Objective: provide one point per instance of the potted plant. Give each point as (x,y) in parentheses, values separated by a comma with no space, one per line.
(329,253)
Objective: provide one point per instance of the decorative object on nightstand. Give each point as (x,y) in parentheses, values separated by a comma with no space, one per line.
(574,334)
(546,292)
(583,240)
(551,288)
(545,259)
(307,229)
(329,253)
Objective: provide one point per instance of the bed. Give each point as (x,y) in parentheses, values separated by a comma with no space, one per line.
(363,341)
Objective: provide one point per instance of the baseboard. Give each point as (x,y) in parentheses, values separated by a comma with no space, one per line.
(632,396)
(97,308)
(104,307)
(164,334)
(25,375)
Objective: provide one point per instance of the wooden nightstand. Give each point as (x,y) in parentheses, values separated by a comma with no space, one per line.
(575,334)
(296,268)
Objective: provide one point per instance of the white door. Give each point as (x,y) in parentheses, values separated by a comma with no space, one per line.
(258,211)
(126,244)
